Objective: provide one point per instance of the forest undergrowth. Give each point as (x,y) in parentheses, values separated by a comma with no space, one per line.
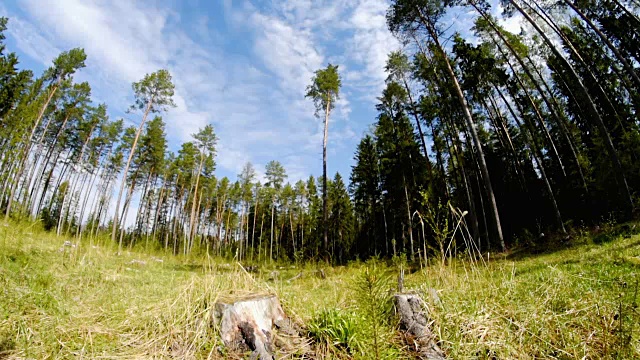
(61,299)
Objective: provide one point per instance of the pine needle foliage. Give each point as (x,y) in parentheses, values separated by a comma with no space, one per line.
(373,294)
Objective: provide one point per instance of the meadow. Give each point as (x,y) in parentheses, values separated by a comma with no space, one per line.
(63,299)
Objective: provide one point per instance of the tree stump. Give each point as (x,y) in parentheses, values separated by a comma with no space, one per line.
(257,323)
(416,327)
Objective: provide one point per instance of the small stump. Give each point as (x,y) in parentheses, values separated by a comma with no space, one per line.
(416,327)
(252,324)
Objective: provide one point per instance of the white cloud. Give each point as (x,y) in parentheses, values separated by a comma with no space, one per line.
(256,102)
(286,51)
(30,41)
(371,44)
(294,38)
(118,36)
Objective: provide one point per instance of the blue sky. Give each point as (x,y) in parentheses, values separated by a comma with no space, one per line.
(240,65)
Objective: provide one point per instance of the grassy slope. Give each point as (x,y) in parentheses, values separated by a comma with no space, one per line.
(89,302)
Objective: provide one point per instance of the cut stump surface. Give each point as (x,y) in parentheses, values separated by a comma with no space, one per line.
(246,324)
(256,323)
(416,326)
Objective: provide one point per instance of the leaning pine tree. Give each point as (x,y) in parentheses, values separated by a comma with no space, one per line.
(324,90)
(407,17)
(153,94)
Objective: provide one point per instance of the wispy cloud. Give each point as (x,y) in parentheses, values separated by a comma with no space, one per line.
(251,88)
(30,40)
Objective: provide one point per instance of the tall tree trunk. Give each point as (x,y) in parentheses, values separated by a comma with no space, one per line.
(538,159)
(195,196)
(159,205)
(47,182)
(526,70)
(628,12)
(85,203)
(125,211)
(471,127)
(124,174)
(604,132)
(629,69)
(27,146)
(31,170)
(142,206)
(302,230)
(77,204)
(293,238)
(414,112)
(410,221)
(563,123)
(539,116)
(260,239)
(196,223)
(325,223)
(253,228)
(273,209)
(64,213)
(457,146)
(79,164)
(36,187)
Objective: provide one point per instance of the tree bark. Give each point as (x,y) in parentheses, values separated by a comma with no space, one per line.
(630,71)
(325,222)
(604,132)
(472,130)
(27,146)
(124,174)
(538,159)
(195,196)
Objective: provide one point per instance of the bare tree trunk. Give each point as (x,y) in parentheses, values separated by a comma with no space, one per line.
(474,134)
(538,159)
(260,239)
(604,132)
(195,196)
(124,174)
(461,165)
(325,222)
(31,170)
(47,182)
(253,229)
(142,206)
(159,205)
(63,214)
(539,116)
(521,83)
(629,69)
(80,161)
(414,111)
(27,146)
(628,12)
(127,202)
(196,224)
(36,185)
(271,242)
(410,231)
(562,122)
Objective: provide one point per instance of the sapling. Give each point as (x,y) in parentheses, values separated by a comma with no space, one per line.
(374,302)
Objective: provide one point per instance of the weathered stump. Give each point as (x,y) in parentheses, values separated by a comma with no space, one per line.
(258,324)
(416,327)
(246,324)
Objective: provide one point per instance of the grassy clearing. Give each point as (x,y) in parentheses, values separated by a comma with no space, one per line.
(87,302)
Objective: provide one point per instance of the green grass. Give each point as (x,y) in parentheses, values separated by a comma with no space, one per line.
(89,302)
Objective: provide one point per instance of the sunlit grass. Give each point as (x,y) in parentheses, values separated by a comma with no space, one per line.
(60,301)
